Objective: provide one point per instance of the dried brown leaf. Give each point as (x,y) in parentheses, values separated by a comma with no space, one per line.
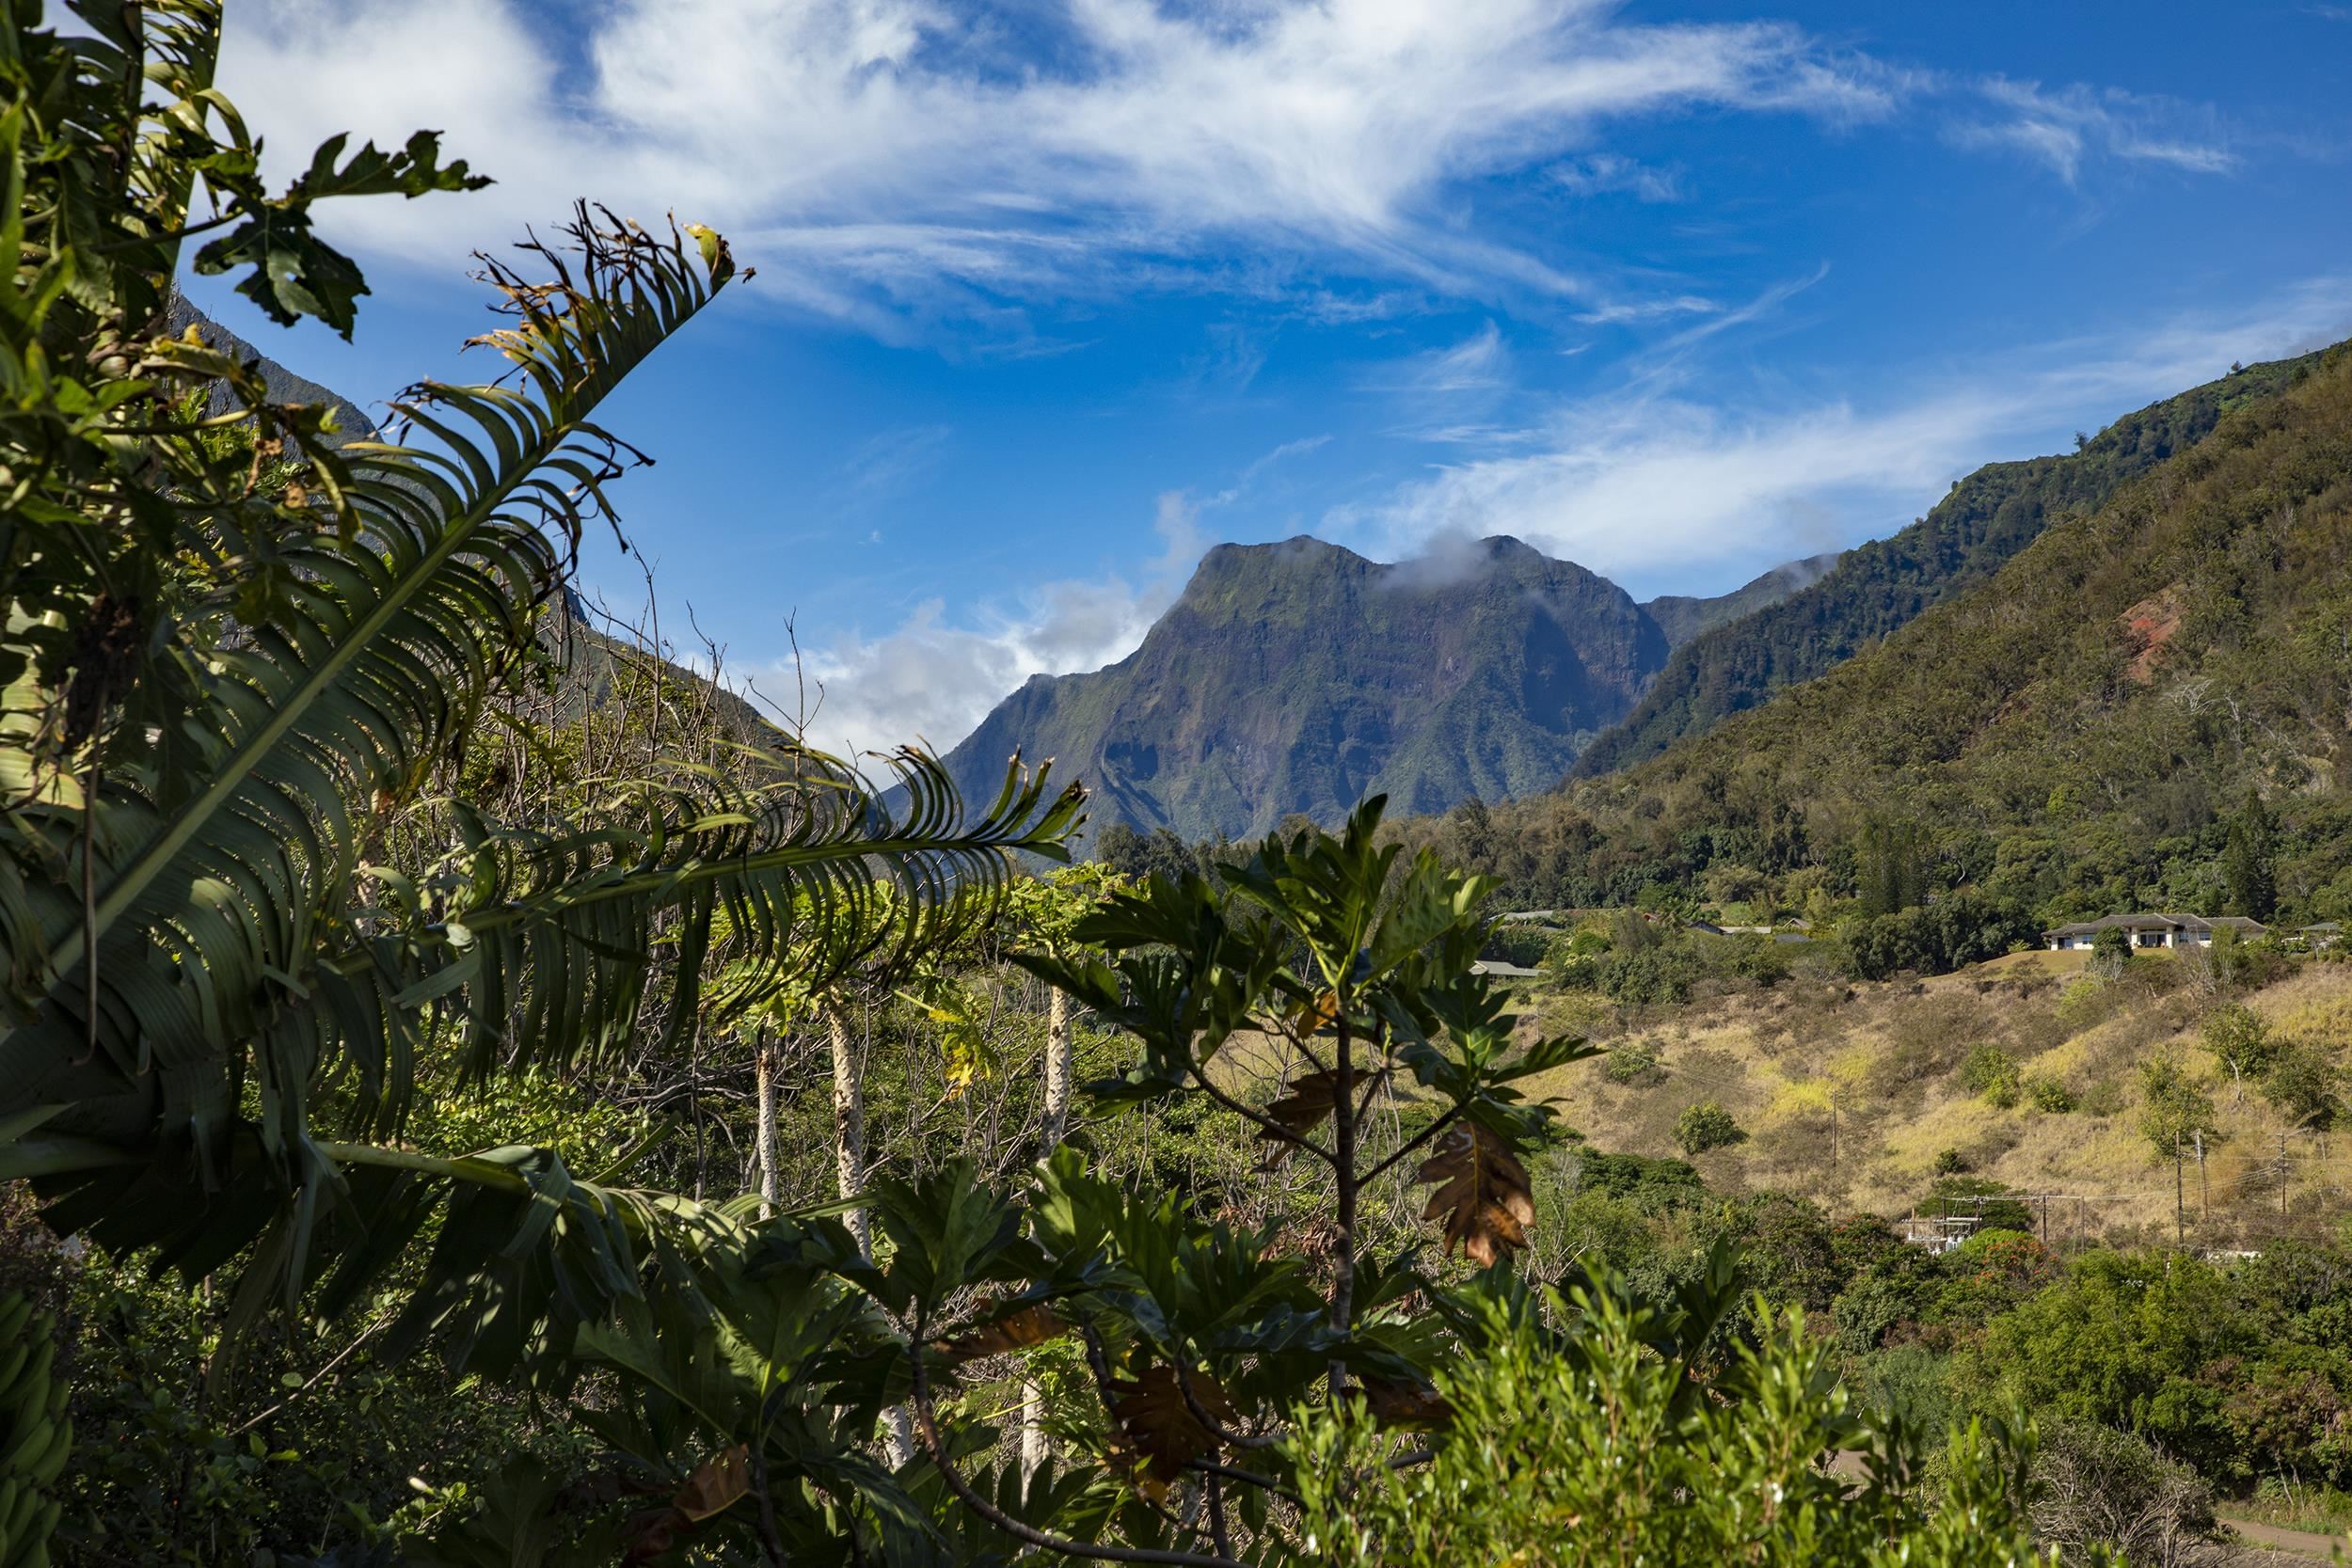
(1158,1434)
(1031,1325)
(1398,1402)
(1483,1194)
(715,1484)
(1303,1109)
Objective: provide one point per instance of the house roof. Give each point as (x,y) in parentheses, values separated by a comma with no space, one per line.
(2157,921)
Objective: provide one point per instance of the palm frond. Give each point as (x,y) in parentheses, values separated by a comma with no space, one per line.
(211,886)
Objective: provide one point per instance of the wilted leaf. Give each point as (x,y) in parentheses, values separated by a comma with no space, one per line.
(715,1484)
(1301,1111)
(1310,1018)
(1483,1194)
(1159,1433)
(1031,1325)
(1396,1402)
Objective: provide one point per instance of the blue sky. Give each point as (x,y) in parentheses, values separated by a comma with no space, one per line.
(1053,295)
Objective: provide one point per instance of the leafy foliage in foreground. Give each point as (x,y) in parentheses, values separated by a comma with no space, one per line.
(240,664)
(1616,1437)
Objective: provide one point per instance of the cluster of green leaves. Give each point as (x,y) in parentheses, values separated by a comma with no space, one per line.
(1622,1435)
(2299,1076)
(2243,1369)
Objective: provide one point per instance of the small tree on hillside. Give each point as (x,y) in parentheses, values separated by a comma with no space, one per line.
(2176,1110)
(2240,1041)
(1707,1125)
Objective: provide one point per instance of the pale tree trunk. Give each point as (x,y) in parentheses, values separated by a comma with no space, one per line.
(848,1156)
(764,1142)
(1057,1070)
(1034,1449)
(848,1126)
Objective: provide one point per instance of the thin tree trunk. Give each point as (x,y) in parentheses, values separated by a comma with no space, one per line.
(764,1143)
(848,1126)
(1058,1066)
(848,1156)
(1034,1449)
(1344,1160)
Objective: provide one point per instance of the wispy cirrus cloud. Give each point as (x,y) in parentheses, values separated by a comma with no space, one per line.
(908,158)
(1642,480)
(2065,128)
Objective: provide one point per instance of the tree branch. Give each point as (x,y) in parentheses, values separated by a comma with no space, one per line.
(1444,1120)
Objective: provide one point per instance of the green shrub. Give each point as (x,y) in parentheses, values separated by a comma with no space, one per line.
(1634,1062)
(1521,942)
(2305,1084)
(2048,1095)
(1992,1073)
(1950,1162)
(1606,1443)
(2239,1039)
(1707,1125)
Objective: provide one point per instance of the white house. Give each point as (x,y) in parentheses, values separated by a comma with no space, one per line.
(2153,930)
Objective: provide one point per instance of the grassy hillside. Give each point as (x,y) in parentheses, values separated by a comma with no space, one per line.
(1895,1056)
(1879,586)
(2141,695)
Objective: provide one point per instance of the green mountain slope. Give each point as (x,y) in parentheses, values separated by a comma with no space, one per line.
(2084,731)
(1300,676)
(1878,587)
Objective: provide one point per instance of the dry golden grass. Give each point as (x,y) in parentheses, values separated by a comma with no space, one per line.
(1891,1056)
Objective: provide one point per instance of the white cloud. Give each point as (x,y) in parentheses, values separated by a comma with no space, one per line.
(1604,172)
(898,157)
(936,676)
(1647,480)
(2063,127)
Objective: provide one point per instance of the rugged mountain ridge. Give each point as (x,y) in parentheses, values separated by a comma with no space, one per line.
(1877,587)
(1298,677)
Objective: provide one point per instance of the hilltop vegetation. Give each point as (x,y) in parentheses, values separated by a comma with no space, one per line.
(1877,587)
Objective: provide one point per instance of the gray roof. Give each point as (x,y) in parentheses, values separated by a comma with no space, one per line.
(2157,921)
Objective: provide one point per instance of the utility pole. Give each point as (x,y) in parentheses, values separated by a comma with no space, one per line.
(2283,1175)
(2204,1188)
(1832,1131)
(2180,1199)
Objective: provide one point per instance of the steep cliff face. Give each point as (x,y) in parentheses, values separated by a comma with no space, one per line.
(1300,677)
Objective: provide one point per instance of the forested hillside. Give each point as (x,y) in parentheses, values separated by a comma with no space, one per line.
(2147,706)
(1878,587)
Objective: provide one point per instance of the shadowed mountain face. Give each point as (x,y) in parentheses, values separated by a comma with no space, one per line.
(1302,677)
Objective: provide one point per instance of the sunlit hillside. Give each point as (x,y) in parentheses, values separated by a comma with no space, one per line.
(1894,1055)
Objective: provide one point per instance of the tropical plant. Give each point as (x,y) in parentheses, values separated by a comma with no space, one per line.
(240,659)
(1599,1432)
(35,1435)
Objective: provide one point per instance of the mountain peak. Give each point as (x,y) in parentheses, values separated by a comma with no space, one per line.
(1298,675)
